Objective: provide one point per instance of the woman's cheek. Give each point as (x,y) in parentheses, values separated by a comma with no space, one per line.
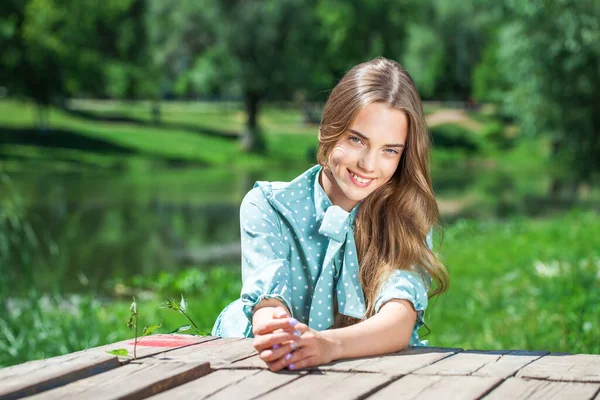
(338,155)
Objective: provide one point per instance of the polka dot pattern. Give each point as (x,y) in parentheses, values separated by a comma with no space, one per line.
(298,248)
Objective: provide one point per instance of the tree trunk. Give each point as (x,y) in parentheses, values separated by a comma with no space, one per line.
(156,112)
(252,138)
(556,183)
(42,118)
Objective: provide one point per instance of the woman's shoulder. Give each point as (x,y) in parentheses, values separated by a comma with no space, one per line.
(269,190)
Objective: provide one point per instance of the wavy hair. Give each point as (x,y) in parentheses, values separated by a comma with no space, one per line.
(393,221)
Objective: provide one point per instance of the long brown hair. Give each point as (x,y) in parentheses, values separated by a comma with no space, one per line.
(393,221)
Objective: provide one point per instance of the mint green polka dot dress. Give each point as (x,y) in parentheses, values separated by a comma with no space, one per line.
(298,248)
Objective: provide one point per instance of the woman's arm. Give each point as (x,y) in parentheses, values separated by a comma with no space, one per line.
(387,331)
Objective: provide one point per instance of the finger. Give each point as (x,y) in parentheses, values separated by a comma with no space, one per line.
(263,342)
(286,324)
(308,362)
(274,354)
(288,359)
(280,312)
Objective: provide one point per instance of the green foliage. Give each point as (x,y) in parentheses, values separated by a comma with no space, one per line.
(88,48)
(132,324)
(456,137)
(521,284)
(547,58)
(182,308)
(424,58)
(512,286)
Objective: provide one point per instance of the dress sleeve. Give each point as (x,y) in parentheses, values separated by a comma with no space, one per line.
(405,285)
(265,266)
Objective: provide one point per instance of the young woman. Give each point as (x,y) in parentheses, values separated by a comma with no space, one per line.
(337,263)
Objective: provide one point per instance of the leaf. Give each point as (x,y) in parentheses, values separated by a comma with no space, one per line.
(149,329)
(170,303)
(133,307)
(183,329)
(130,322)
(183,305)
(119,352)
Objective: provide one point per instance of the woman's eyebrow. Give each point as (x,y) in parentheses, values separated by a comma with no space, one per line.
(357,133)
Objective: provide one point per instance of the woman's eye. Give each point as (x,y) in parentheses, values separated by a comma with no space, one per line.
(391,151)
(354,139)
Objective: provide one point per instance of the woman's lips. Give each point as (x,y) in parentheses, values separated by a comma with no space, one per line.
(357,183)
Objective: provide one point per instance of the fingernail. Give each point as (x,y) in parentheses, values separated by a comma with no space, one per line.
(293,345)
(293,322)
(291,366)
(297,333)
(275,346)
(288,356)
(282,314)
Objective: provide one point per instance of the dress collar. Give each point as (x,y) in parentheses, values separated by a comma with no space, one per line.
(322,201)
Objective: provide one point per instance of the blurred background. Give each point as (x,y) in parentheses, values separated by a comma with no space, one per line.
(130,130)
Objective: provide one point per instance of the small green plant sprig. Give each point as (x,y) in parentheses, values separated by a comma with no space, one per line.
(133,324)
(190,328)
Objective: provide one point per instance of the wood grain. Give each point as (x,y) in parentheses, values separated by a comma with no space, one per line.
(221,354)
(509,363)
(41,375)
(436,387)
(329,385)
(206,386)
(464,363)
(401,363)
(230,384)
(533,389)
(564,367)
(136,380)
(156,344)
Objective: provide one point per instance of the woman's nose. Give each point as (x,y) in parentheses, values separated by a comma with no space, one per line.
(367,162)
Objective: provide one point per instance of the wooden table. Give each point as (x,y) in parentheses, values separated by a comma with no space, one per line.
(190,367)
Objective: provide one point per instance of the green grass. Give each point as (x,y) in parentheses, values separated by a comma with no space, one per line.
(39,326)
(521,284)
(516,284)
(163,143)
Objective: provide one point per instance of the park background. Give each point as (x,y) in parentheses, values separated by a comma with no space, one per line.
(130,130)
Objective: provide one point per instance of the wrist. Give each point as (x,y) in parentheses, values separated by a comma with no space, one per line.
(335,343)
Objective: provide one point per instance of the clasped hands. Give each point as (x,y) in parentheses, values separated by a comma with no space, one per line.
(283,342)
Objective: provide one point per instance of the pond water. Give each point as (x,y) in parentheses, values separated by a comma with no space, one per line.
(89,229)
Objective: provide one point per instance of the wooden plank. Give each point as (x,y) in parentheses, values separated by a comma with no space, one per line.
(136,380)
(564,367)
(397,364)
(263,382)
(464,363)
(231,384)
(155,344)
(37,376)
(510,363)
(221,353)
(330,385)
(206,386)
(532,389)
(437,387)
(394,364)
(253,362)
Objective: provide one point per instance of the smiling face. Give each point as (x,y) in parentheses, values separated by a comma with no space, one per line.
(366,156)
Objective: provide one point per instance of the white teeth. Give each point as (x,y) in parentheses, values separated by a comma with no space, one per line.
(361,180)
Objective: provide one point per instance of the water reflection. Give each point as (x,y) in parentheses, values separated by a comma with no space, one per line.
(101,226)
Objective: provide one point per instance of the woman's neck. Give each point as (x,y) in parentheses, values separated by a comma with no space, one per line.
(334,192)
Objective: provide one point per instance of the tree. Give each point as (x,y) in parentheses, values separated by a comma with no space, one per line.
(353,31)
(549,59)
(255,49)
(56,49)
(444,45)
